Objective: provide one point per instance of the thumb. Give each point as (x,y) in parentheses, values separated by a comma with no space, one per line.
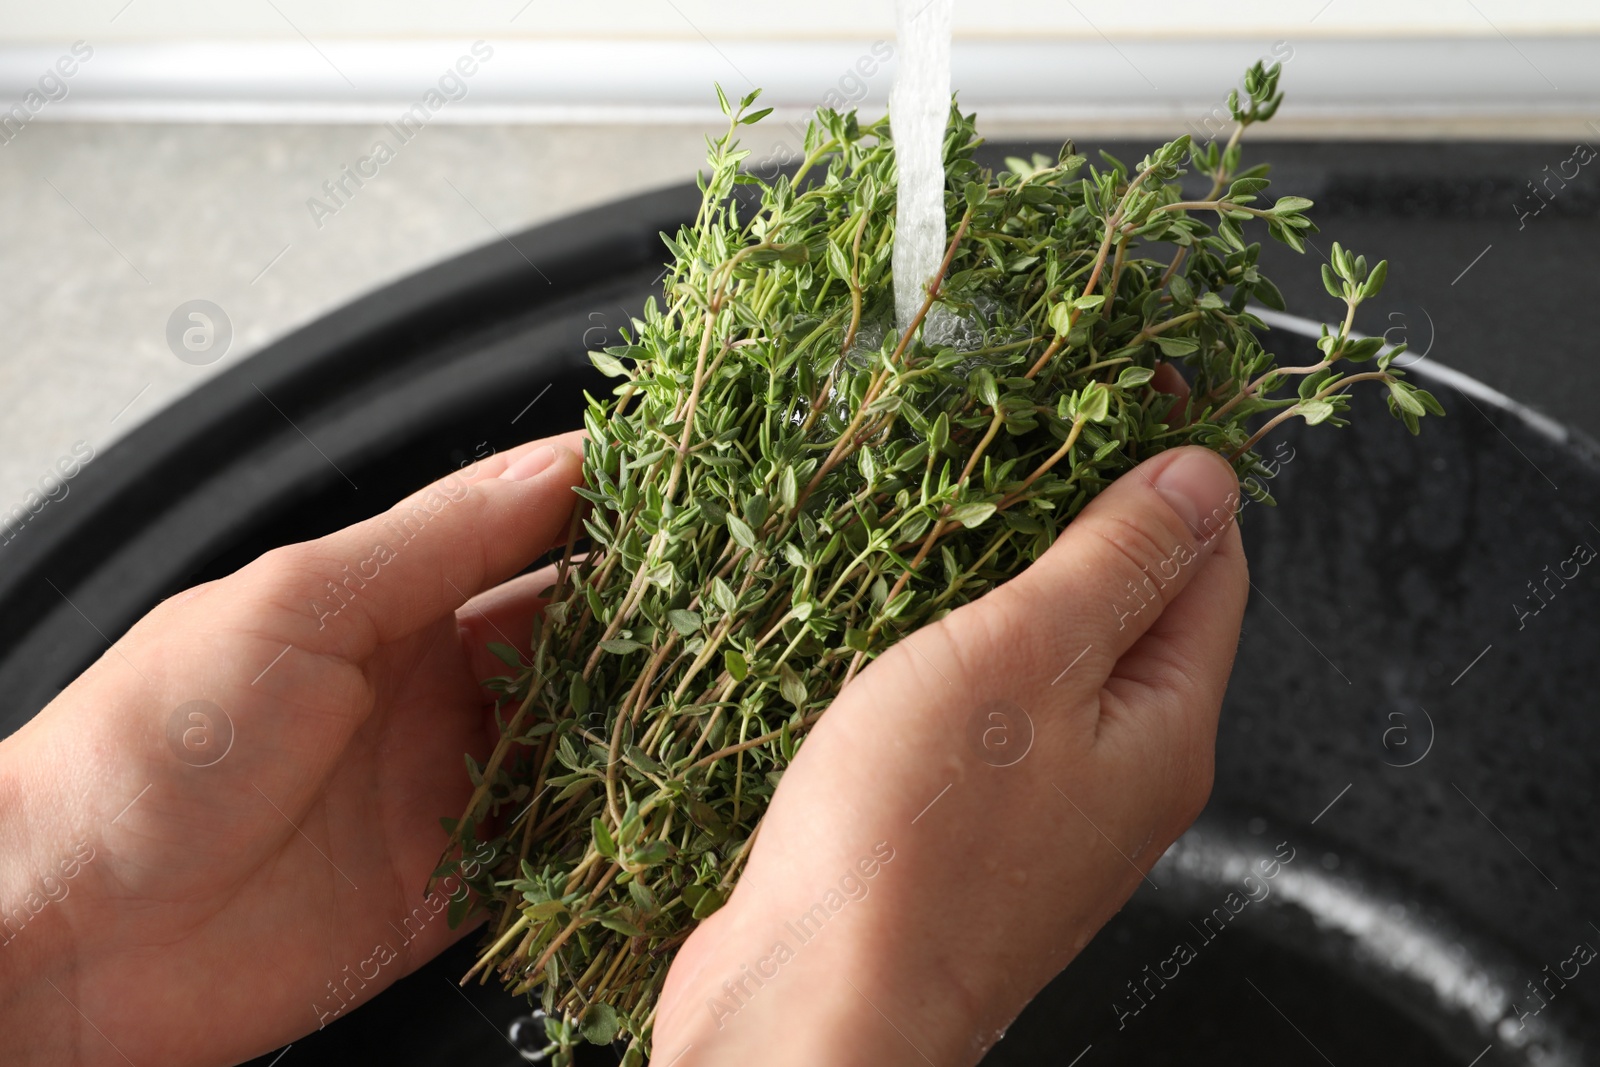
(399,571)
(1125,558)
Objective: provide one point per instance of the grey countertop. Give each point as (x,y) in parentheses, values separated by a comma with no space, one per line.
(108,228)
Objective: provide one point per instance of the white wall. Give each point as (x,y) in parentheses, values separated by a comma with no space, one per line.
(52,20)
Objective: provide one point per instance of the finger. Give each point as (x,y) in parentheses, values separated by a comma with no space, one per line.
(1117,566)
(1168,379)
(494,464)
(505,615)
(389,576)
(1186,655)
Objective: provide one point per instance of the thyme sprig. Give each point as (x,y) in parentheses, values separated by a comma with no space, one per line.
(782,486)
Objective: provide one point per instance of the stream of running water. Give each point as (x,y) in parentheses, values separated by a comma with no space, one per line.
(919,107)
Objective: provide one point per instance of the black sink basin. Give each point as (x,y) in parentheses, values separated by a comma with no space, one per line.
(1400,722)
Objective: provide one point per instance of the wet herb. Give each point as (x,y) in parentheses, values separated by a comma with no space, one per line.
(783,486)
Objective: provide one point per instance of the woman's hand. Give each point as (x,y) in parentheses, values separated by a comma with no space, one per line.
(979,801)
(217,838)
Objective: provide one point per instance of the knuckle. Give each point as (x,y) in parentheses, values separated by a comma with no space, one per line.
(961,640)
(1136,552)
(282,579)
(281,566)
(1181,667)
(986,638)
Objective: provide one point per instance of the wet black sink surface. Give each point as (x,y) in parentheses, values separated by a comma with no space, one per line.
(1412,712)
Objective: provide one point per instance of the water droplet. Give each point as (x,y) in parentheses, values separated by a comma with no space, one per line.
(527,1036)
(982,1041)
(1258,826)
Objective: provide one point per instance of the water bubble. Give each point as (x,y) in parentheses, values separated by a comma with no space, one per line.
(945,329)
(974,325)
(866,344)
(528,1036)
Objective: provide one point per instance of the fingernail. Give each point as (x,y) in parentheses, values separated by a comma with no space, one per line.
(527,466)
(1200,487)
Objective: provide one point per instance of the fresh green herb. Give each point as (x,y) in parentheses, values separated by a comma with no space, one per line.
(784,485)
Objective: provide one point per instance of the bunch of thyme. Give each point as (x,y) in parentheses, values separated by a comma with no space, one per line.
(784,485)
